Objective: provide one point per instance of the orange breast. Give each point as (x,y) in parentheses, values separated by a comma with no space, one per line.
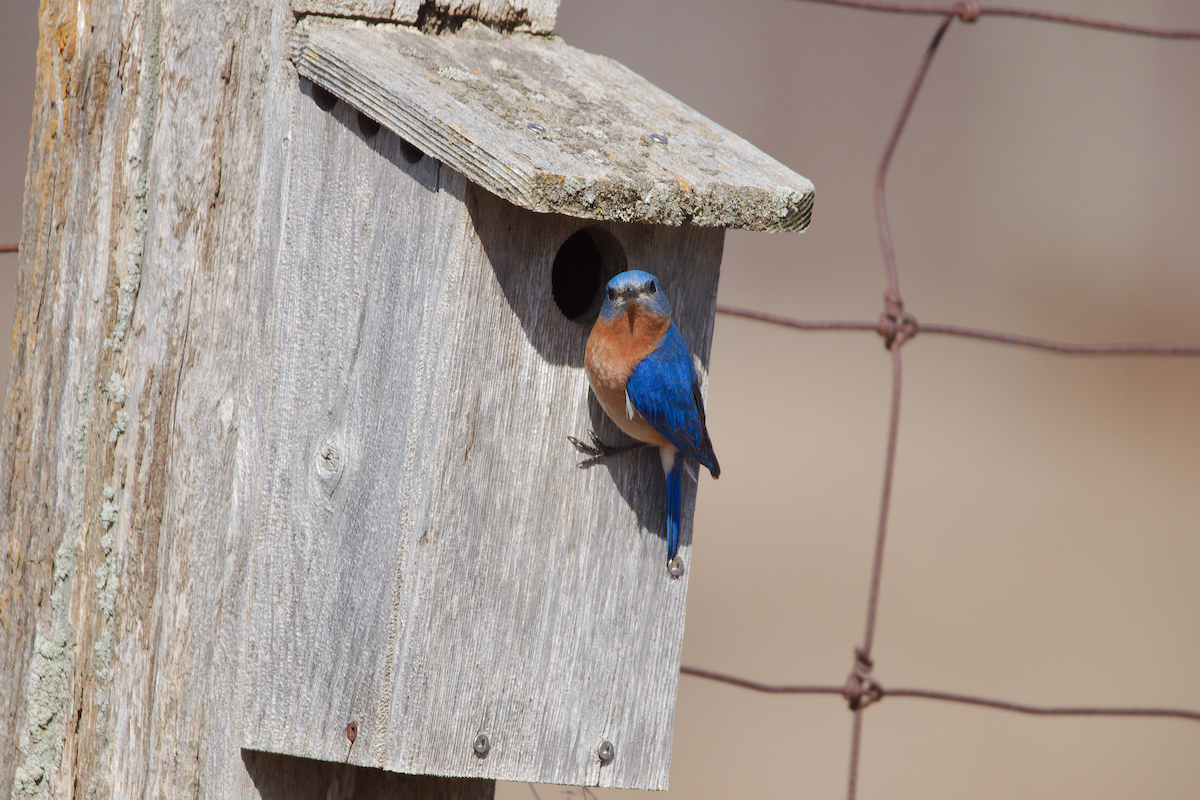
(614,348)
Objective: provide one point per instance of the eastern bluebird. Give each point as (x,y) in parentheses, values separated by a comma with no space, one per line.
(641,372)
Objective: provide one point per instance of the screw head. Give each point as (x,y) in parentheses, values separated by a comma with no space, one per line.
(482,745)
(533,126)
(352,732)
(660,138)
(675,567)
(607,751)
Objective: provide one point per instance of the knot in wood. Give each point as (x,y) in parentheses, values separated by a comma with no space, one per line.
(329,459)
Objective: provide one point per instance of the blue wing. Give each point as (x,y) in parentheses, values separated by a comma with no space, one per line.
(664,390)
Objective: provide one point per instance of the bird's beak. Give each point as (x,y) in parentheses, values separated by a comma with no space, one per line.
(631,309)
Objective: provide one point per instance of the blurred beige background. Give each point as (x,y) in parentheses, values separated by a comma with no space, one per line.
(1044,543)
(18,43)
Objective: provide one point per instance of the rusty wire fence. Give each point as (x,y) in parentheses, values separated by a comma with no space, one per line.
(897,327)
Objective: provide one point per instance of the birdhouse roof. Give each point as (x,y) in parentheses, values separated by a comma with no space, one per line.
(551,128)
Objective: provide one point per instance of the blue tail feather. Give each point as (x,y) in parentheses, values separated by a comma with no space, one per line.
(674,505)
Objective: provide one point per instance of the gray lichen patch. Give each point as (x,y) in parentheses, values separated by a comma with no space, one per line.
(553,129)
(118,393)
(47,687)
(531,16)
(134,254)
(107,583)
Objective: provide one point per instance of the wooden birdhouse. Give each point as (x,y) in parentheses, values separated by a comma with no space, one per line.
(430,561)
(402,541)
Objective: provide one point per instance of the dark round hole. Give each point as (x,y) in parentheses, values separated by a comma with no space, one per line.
(368,126)
(584,263)
(324,98)
(412,154)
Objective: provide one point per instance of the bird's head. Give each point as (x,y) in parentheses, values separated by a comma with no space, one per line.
(634,292)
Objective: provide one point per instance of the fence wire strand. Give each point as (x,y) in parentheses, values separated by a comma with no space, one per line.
(897,327)
(949,697)
(971,11)
(969,333)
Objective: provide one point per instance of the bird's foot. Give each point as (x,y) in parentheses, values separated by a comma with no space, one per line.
(598,450)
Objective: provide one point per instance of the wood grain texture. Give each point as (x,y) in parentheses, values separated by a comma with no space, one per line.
(80,264)
(285,447)
(529,16)
(429,561)
(469,101)
(152,194)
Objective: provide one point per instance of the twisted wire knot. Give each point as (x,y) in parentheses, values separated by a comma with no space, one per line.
(860,689)
(968,10)
(896,325)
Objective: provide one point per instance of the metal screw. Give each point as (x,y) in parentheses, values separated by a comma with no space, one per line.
(607,751)
(675,567)
(352,732)
(533,126)
(482,745)
(661,138)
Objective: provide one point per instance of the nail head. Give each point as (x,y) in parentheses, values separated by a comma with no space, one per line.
(533,126)
(675,567)
(661,138)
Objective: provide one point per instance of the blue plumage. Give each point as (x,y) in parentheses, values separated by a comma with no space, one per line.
(663,388)
(639,285)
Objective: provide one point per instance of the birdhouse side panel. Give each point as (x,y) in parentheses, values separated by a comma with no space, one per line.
(429,561)
(345,320)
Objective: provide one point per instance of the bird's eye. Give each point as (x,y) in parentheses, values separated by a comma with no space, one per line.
(653,287)
(612,294)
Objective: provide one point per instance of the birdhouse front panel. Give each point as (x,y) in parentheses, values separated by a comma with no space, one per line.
(430,562)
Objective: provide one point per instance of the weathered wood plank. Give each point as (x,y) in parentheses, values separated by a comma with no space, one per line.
(530,16)
(152,200)
(429,562)
(552,128)
(79,263)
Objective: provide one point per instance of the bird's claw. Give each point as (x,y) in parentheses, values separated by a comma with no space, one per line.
(598,450)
